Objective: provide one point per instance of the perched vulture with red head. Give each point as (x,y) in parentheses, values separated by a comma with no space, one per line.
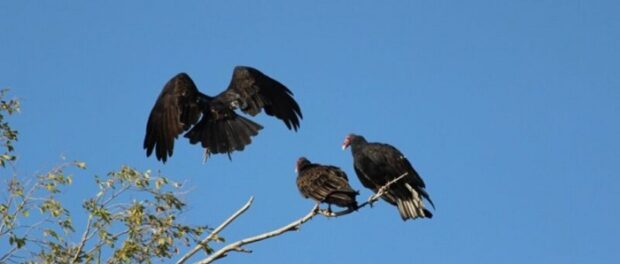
(376,164)
(325,184)
(212,121)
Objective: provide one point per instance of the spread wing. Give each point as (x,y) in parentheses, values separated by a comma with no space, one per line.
(175,111)
(251,91)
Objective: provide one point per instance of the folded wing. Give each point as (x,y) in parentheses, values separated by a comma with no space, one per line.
(395,164)
(327,184)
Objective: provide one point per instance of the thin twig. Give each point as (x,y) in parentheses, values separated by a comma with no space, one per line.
(83,240)
(8,254)
(114,195)
(217,230)
(18,207)
(102,243)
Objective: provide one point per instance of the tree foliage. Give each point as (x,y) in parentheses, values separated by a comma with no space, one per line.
(8,136)
(132,216)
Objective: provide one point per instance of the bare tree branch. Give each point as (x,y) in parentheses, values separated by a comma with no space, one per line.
(101,243)
(295,225)
(83,240)
(238,246)
(8,255)
(217,230)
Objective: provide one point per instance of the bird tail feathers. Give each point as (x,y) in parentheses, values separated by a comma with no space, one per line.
(224,135)
(412,207)
(343,198)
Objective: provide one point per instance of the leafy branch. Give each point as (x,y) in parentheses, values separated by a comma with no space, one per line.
(132,217)
(8,135)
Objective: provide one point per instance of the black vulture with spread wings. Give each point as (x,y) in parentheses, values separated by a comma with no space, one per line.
(212,121)
(325,184)
(376,164)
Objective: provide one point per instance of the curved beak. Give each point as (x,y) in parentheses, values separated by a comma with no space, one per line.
(346,143)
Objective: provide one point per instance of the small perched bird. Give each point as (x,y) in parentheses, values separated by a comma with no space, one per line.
(212,121)
(376,164)
(325,184)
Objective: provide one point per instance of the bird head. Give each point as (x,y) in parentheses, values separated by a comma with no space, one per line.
(348,140)
(301,163)
(353,140)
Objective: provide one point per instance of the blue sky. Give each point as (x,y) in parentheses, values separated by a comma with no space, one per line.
(508,109)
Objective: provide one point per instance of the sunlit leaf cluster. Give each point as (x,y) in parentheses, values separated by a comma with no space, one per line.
(33,217)
(131,216)
(8,136)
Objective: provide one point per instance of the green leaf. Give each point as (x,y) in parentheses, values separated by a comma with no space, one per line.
(80,164)
(218,238)
(18,241)
(52,233)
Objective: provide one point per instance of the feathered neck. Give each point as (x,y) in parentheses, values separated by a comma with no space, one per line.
(302,164)
(357,143)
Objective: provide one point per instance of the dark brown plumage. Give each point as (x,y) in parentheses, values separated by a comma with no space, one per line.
(325,184)
(212,121)
(376,164)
